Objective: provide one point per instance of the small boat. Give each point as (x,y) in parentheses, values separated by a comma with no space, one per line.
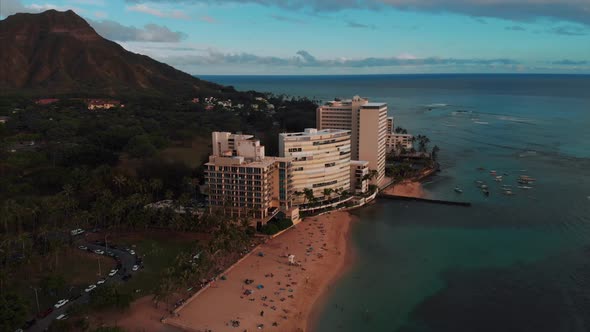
(498,179)
(525,187)
(507,185)
(483,186)
(458,190)
(486,192)
(508,192)
(492,172)
(481,169)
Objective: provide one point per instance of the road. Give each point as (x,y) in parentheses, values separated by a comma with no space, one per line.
(127,262)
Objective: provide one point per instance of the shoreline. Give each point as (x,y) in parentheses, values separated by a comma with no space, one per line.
(407,188)
(292,297)
(350,257)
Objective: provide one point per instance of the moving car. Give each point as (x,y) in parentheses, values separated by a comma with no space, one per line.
(62,317)
(98,251)
(83,247)
(113,272)
(135,267)
(61,303)
(100,282)
(90,288)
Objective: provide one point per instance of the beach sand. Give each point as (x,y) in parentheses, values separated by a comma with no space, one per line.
(407,188)
(290,293)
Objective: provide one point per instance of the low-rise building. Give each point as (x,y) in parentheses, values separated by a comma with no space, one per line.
(398,142)
(106,104)
(359,172)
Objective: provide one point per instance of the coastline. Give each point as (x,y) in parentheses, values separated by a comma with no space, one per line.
(407,188)
(350,257)
(291,297)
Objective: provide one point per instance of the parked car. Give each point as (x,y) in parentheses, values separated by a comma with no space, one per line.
(100,282)
(62,317)
(135,267)
(113,272)
(61,303)
(83,247)
(98,251)
(90,288)
(132,252)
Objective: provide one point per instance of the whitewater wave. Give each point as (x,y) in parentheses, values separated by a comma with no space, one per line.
(513,119)
(481,122)
(436,105)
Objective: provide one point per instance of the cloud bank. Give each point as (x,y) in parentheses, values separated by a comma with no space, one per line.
(516,10)
(149,33)
(305,59)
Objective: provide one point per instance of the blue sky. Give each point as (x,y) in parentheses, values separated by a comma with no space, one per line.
(343,36)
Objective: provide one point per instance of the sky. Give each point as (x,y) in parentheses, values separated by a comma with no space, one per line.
(292,37)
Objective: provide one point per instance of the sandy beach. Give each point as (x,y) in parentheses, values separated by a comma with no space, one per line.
(277,295)
(407,188)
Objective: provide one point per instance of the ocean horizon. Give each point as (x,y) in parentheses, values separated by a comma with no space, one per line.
(510,262)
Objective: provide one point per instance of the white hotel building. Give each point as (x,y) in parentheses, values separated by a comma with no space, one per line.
(368,125)
(320,160)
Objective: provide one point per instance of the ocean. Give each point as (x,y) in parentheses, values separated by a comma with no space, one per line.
(507,263)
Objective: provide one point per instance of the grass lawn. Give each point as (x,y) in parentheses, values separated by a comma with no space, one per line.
(77,267)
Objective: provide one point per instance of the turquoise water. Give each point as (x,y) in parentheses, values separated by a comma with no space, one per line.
(508,263)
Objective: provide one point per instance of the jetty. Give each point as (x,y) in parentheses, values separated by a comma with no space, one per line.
(426,200)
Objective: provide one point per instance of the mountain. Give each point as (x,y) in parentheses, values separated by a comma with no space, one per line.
(60,53)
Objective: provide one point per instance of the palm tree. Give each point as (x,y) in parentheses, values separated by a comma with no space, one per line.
(327,193)
(308,195)
(435,151)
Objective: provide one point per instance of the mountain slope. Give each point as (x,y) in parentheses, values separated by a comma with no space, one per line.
(60,53)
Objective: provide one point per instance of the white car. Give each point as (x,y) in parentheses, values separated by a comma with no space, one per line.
(62,317)
(98,251)
(113,272)
(83,247)
(135,267)
(100,282)
(76,231)
(132,252)
(90,288)
(61,303)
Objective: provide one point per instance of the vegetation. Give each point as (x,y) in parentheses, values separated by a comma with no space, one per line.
(64,167)
(276,225)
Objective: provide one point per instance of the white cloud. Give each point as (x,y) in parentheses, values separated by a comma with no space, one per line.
(142,8)
(149,33)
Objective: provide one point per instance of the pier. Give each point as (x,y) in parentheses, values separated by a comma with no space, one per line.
(426,200)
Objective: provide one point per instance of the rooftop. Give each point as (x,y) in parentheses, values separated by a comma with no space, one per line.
(312,132)
(374,105)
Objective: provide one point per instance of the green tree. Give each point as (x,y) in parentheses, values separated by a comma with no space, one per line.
(140,147)
(13,311)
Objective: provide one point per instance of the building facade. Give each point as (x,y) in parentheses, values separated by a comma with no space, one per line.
(398,142)
(243,182)
(320,161)
(368,124)
(359,170)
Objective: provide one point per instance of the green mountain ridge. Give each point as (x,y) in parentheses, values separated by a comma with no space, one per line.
(59,53)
